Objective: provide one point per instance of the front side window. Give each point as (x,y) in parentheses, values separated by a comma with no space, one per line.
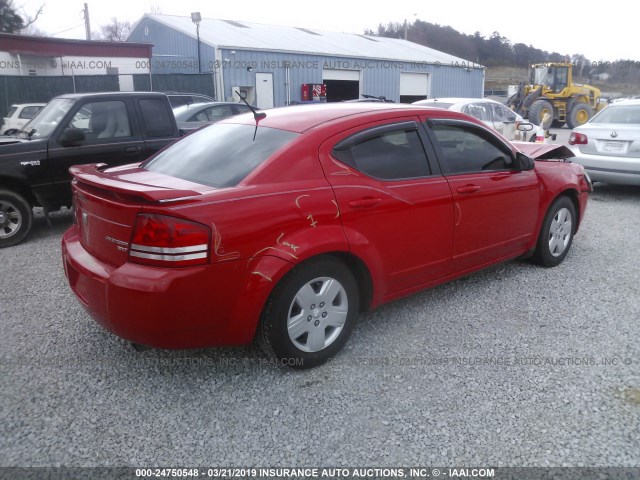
(221,155)
(466,149)
(502,114)
(102,120)
(561,80)
(388,155)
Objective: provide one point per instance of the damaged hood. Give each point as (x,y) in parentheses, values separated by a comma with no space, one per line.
(543,151)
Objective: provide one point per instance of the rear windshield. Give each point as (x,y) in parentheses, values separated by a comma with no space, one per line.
(220,155)
(629,114)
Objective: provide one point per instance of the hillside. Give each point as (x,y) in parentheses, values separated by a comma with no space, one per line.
(499,78)
(507,63)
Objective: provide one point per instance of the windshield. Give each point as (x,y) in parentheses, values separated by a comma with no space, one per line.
(221,155)
(47,120)
(623,114)
(542,76)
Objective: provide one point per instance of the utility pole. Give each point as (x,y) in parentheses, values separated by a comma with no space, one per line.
(87,25)
(197,18)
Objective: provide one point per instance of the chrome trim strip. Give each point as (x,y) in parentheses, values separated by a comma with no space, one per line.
(169,258)
(170,251)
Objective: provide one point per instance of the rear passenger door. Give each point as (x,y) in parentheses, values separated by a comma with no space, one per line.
(394,205)
(157,124)
(495,205)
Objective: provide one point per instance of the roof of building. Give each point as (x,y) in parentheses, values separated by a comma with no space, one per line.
(55,47)
(256,36)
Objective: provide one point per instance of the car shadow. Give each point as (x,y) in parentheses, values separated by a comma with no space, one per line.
(58,222)
(606,191)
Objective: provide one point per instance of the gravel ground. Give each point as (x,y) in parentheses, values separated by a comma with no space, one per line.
(504,368)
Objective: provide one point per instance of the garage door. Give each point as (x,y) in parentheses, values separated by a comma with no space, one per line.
(341,84)
(328,74)
(413,86)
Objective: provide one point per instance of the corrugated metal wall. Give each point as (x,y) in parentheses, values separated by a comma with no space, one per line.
(379,78)
(42,89)
(14,89)
(175,52)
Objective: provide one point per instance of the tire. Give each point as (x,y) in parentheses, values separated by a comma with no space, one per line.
(537,112)
(310,314)
(556,234)
(579,114)
(16,218)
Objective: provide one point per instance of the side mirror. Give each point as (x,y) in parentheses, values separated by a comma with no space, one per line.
(71,136)
(524,162)
(525,127)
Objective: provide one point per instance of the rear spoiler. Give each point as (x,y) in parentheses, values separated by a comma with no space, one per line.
(544,151)
(93,175)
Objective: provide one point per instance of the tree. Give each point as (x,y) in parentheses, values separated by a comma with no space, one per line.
(116,31)
(10,21)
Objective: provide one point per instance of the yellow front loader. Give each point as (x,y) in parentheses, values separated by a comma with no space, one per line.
(551,92)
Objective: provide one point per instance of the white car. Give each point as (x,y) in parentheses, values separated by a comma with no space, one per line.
(493,114)
(18,116)
(608,145)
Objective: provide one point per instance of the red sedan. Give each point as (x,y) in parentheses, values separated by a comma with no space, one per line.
(283,228)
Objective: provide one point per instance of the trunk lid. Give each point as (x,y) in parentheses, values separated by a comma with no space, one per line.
(108,201)
(612,140)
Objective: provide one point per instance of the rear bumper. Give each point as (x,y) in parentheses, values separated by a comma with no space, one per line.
(609,169)
(170,308)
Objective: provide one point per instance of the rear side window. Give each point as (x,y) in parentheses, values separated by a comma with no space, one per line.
(478,110)
(157,118)
(29,112)
(11,111)
(389,155)
(221,155)
(219,112)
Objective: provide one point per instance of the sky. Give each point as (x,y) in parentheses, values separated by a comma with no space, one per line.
(599,30)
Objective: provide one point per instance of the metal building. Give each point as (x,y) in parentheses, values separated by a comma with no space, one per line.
(276,65)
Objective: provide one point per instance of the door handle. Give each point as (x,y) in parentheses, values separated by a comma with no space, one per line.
(469,189)
(132,149)
(366,202)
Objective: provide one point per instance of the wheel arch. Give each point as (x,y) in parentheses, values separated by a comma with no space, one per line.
(20,187)
(572,194)
(354,263)
(362,275)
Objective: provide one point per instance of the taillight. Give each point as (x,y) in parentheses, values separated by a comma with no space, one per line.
(160,240)
(578,139)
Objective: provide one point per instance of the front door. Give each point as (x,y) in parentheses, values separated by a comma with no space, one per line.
(110,137)
(492,201)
